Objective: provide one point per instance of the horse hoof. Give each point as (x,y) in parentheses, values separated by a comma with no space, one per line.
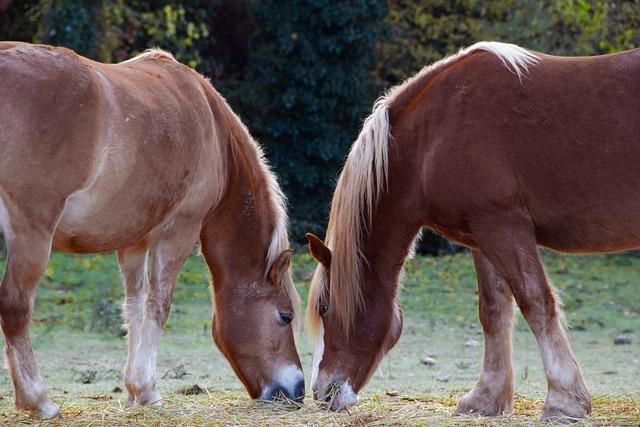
(556,416)
(152,400)
(468,405)
(48,410)
(156,404)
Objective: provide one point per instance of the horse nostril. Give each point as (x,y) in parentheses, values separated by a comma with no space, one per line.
(298,393)
(280,393)
(328,394)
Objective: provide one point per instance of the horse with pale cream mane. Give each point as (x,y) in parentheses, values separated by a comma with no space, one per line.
(143,158)
(499,149)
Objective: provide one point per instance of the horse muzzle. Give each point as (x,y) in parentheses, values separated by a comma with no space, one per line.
(288,385)
(337,396)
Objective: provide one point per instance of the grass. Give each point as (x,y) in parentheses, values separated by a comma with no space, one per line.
(81,348)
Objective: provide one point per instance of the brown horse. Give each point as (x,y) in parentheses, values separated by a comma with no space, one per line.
(499,149)
(144,158)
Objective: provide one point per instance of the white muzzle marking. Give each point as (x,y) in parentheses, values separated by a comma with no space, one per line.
(345,398)
(317,355)
(286,377)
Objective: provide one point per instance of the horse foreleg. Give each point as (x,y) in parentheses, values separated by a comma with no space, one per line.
(168,257)
(133,267)
(493,393)
(508,241)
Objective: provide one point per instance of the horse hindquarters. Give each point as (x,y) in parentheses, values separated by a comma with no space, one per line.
(507,239)
(45,142)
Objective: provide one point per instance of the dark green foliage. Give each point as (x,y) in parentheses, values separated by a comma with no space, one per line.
(309,90)
(69,23)
(16,23)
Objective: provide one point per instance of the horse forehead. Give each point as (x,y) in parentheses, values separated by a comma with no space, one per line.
(256,290)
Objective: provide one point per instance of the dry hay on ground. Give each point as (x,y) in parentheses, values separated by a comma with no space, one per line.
(218,408)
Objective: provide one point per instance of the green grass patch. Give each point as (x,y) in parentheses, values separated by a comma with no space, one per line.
(85,293)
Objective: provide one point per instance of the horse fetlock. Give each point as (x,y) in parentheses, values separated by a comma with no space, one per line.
(38,403)
(567,405)
(144,393)
(488,401)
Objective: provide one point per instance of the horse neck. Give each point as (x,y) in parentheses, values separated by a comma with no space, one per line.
(238,232)
(385,248)
(395,223)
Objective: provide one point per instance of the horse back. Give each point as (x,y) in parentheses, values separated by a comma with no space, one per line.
(123,146)
(562,144)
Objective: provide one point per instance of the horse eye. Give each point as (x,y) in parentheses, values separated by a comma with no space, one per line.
(285,318)
(324,309)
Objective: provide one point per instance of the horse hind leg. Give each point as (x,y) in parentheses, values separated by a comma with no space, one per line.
(508,241)
(28,238)
(168,257)
(493,393)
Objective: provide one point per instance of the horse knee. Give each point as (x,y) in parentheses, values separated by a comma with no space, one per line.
(158,308)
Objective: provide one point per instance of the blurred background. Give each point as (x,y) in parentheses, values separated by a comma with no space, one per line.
(304,74)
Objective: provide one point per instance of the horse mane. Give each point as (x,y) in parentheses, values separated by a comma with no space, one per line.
(364,177)
(242,145)
(153,53)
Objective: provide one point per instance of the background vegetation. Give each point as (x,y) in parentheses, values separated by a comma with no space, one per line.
(303,74)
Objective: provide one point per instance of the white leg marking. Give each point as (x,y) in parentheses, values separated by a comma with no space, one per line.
(29,384)
(144,368)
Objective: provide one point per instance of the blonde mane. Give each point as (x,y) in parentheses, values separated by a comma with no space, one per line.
(362,180)
(242,141)
(280,233)
(153,53)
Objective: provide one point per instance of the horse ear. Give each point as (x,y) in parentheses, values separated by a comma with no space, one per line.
(280,266)
(319,250)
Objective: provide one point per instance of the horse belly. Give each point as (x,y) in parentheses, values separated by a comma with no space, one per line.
(127,203)
(90,225)
(571,136)
(612,227)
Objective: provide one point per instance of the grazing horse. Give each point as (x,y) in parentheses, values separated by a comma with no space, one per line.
(144,158)
(499,149)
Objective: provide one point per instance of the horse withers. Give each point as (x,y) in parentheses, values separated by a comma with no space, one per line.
(499,149)
(143,158)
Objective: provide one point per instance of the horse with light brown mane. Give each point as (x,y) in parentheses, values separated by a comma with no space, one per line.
(144,158)
(499,149)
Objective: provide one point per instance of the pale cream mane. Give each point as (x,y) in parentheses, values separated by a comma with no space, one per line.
(363,178)
(280,234)
(153,53)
